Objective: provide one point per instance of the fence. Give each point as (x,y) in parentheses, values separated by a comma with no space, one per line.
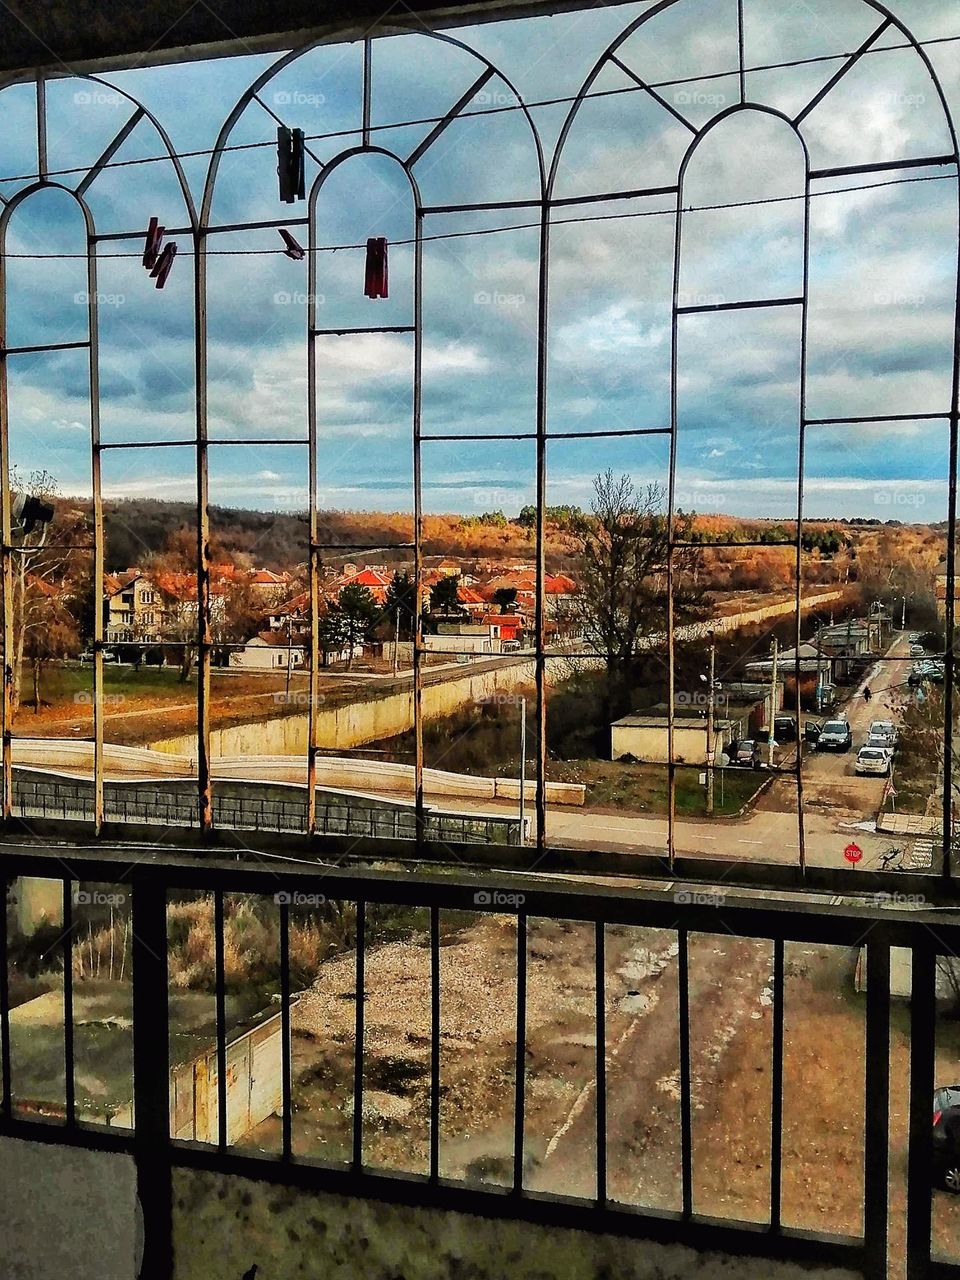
(682,914)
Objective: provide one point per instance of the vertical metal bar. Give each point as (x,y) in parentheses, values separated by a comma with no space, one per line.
(6,1078)
(41,127)
(93,333)
(776,1089)
(285,1063)
(920,1150)
(540,623)
(671,491)
(600,985)
(801,444)
(6,552)
(221,998)
(313,555)
(686,1132)
(367,87)
(434,1043)
(358,1039)
(204,786)
(743,78)
(151,1078)
(418,525)
(877,1105)
(520,1075)
(66,943)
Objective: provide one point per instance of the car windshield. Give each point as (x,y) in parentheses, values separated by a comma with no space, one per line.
(835,726)
(871,753)
(946,1097)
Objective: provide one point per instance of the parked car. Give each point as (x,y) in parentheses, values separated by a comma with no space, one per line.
(88,656)
(747,753)
(884,729)
(946,1138)
(917,650)
(835,735)
(875,760)
(880,741)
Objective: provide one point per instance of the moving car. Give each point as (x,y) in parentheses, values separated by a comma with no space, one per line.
(835,735)
(785,728)
(873,760)
(946,1138)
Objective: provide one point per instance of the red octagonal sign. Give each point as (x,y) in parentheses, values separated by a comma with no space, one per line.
(853,853)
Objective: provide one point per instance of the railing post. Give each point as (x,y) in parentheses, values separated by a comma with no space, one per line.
(151,1078)
(920,1151)
(877,1102)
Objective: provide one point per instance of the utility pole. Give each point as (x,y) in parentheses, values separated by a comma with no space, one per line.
(773,703)
(523,759)
(289,654)
(710,743)
(396,639)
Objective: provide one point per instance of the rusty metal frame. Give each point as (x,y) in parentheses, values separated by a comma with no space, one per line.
(200,227)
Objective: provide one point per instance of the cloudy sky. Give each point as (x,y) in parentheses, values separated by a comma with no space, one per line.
(882,271)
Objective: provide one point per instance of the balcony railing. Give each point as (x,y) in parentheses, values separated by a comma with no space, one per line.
(682,915)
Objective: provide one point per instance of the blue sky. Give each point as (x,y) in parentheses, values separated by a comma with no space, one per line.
(882,273)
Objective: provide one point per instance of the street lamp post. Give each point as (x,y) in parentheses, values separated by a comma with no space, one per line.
(710,742)
(523,760)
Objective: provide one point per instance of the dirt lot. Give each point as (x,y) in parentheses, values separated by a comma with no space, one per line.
(731,1029)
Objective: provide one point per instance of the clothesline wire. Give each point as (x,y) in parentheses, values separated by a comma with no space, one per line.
(484,111)
(521,226)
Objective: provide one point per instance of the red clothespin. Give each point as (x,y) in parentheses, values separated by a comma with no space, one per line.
(151,248)
(292,250)
(290,163)
(375,276)
(163,265)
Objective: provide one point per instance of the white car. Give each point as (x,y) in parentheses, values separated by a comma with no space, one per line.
(873,760)
(885,730)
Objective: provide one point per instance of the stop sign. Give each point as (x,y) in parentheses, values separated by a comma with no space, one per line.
(853,853)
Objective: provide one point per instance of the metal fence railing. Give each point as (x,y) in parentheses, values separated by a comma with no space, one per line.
(681,914)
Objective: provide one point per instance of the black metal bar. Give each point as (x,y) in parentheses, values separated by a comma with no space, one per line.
(660,101)
(66,941)
(358,1038)
(44,346)
(885,166)
(888,417)
(448,119)
(920,1150)
(221,999)
(380,328)
(434,1043)
(740,57)
(552,435)
(110,151)
(776,1089)
(686,1128)
(146,444)
(600,983)
(750,304)
(841,72)
(520,1073)
(6,1080)
(877,1106)
(286,1064)
(151,1078)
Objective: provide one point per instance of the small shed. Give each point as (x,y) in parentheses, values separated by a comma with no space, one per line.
(644,736)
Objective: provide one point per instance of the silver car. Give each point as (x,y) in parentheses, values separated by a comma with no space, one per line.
(873,760)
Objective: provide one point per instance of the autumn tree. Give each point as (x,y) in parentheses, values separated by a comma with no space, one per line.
(505,598)
(355,614)
(401,605)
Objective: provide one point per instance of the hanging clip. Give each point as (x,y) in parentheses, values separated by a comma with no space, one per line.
(292,250)
(290,163)
(375,276)
(163,265)
(151,249)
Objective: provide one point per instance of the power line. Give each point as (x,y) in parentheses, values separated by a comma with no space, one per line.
(484,111)
(523,226)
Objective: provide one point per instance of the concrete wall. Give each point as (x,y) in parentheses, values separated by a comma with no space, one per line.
(650,743)
(224,1225)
